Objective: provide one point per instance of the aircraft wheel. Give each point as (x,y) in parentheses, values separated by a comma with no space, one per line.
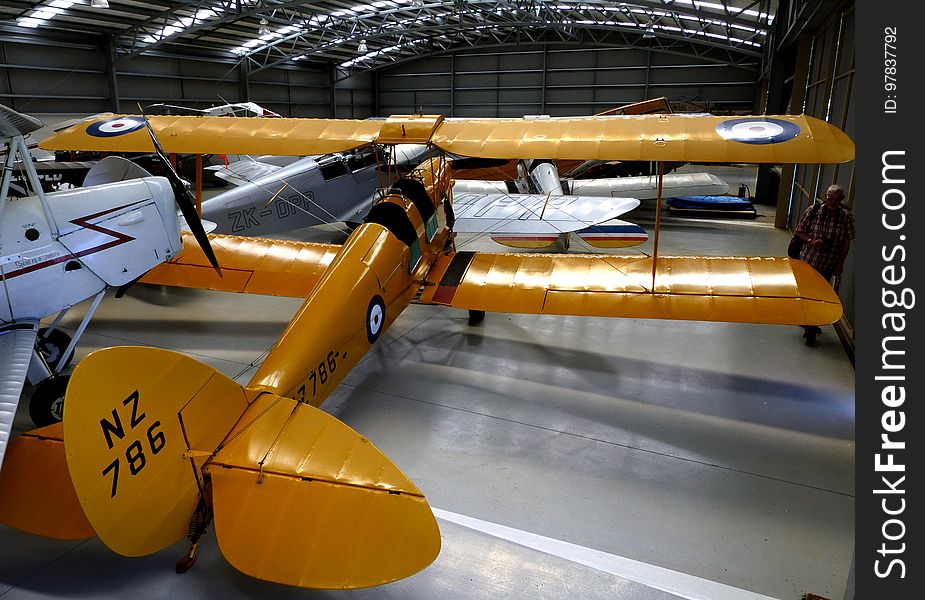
(476,317)
(53,346)
(47,404)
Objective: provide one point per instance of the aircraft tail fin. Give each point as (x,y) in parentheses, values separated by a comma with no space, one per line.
(36,493)
(157,442)
(139,423)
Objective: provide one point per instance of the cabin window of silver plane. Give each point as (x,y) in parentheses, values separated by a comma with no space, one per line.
(361,158)
(332,167)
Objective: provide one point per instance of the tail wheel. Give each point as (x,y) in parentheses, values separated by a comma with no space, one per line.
(52,346)
(46,406)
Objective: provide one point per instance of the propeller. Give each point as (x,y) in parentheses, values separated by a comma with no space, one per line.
(185,200)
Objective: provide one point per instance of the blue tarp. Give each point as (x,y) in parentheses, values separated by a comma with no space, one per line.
(717,203)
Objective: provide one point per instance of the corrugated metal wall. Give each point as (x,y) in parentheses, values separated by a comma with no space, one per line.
(559,81)
(70,78)
(829,95)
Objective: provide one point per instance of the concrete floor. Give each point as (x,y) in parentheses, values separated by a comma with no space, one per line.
(566,457)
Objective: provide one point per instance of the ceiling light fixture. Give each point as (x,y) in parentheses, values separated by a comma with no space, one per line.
(264,28)
(99,3)
(362,48)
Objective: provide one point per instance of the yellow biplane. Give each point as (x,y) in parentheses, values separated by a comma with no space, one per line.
(155,445)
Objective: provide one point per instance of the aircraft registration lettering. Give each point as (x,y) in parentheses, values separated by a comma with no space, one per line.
(243,219)
(294,204)
(21,262)
(321,374)
(114,430)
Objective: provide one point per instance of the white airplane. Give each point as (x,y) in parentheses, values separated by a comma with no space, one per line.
(542,177)
(62,248)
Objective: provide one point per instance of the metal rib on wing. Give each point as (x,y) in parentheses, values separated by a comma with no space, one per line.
(521,213)
(218,135)
(641,137)
(736,289)
(250,265)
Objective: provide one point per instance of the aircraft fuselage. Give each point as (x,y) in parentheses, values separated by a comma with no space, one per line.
(313,190)
(367,285)
(42,273)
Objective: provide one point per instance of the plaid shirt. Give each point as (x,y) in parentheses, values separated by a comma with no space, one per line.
(836,228)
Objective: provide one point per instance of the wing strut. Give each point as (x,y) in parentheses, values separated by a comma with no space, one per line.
(658,218)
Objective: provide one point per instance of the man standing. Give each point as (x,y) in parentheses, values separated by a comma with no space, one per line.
(826,231)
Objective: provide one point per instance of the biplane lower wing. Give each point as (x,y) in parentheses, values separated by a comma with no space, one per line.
(249,265)
(16,343)
(533,214)
(735,289)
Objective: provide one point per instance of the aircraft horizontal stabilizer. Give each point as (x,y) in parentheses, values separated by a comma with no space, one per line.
(157,442)
(36,493)
(302,499)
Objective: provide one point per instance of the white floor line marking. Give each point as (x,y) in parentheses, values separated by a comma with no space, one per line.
(673,582)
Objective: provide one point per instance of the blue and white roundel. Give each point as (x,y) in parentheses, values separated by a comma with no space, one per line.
(114,127)
(758,130)
(375,318)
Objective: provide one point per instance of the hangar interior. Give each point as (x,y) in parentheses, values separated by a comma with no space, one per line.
(571,457)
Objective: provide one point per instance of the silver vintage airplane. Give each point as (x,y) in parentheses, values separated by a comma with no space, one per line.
(274,194)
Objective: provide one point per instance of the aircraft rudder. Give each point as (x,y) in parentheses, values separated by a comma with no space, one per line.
(138,424)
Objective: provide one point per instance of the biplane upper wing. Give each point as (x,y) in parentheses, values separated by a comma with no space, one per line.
(14,123)
(249,265)
(737,289)
(686,138)
(668,137)
(243,171)
(216,135)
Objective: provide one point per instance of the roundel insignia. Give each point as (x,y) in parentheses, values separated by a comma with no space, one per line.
(375,318)
(758,130)
(114,127)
